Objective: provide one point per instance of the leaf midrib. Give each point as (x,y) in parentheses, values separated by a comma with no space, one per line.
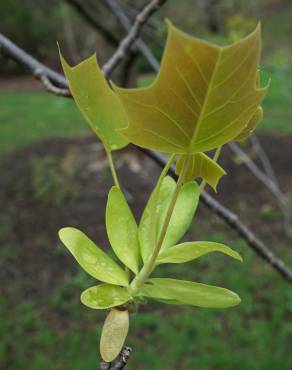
(193,139)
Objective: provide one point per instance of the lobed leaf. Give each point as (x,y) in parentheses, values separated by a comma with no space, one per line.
(203,96)
(189,251)
(122,229)
(251,125)
(190,293)
(91,258)
(104,296)
(201,165)
(181,218)
(97,102)
(114,333)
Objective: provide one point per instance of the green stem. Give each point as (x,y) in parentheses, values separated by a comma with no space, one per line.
(112,168)
(215,159)
(149,266)
(153,223)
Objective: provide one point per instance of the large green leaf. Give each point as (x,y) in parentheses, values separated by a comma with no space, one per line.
(189,251)
(180,221)
(114,333)
(96,101)
(122,229)
(203,96)
(252,123)
(200,165)
(190,293)
(104,296)
(255,119)
(91,258)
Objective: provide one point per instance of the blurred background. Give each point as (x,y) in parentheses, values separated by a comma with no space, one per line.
(53,173)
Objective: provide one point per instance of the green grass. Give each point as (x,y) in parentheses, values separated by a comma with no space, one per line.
(278,103)
(28,117)
(59,333)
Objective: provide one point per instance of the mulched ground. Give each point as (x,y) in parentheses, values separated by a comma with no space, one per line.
(62,182)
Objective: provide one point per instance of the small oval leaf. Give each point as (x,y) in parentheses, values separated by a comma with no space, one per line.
(91,258)
(153,210)
(180,221)
(190,293)
(122,229)
(189,251)
(182,215)
(114,333)
(104,296)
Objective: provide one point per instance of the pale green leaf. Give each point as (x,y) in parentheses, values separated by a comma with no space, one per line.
(190,293)
(96,101)
(153,292)
(153,212)
(200,165)
(203,96)
(91,258)
(181,218)
(189,251)
(104,296)
(122,229)
(114,333)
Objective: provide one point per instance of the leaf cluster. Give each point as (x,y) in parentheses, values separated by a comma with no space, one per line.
(203,97)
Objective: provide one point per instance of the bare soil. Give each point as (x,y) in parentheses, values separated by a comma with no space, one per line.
(77,169)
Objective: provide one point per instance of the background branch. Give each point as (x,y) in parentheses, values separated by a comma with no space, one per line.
(132,35)
(118,11)
(266,181)
(86,13)
(38,69)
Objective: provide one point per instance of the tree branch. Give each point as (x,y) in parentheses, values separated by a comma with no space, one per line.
(36,67)
(81,9)
(132,35)
(230,218)
(118,11)
(266,181)
(234,222)
(120,362)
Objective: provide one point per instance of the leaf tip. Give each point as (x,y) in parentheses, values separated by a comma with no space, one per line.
(169,23)
(237,300)
(62,232)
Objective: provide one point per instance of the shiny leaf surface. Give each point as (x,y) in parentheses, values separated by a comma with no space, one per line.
(194,294)
(91,258)
(189,251)
(104,296)
(181,218)
(122,229)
